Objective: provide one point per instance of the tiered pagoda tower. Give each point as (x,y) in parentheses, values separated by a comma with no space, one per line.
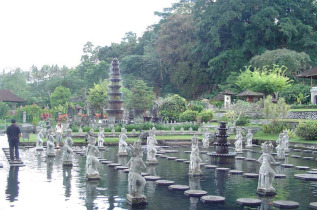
(115,111)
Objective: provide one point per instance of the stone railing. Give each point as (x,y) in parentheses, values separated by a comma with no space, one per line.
(308,115)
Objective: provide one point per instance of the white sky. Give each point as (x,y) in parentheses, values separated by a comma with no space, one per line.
(47,32)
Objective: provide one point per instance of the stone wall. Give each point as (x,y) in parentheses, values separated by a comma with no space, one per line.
(308,115)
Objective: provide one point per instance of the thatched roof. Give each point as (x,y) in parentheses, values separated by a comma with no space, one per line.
(227,92)
(312,72)
(220,96)
(8,96)
(248,93)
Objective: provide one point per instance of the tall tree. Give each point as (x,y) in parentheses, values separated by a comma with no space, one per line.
(60,96)
(98,96)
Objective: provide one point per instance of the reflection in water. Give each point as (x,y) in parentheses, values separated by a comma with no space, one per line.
(67,178)
(91,193)
(221,180)
(12,190)
(39,158)
(49,167)
(122,160)
(194,184)
(266,203)
(150,186)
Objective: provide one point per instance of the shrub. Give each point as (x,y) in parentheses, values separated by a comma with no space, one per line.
(243,120)
(195,107)
(74,128)
(206,116)
(216,103)
(188,115)
(274,128)
(4,109)
(86,128)
(304,106)
(307,130)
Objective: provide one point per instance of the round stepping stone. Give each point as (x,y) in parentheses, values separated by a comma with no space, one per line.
(203,152)
(286,204)
(280,176)
(314,169)
(187,162)
(307,177)
(121,167)
(106,162)
(203,164)
(210,166)
(286,155)
(126,170)
(312,172)
(164,182)
(144,174)
(250,175)
(160,152)
(239,158)
(302,167)
(275,164)
(313,205)
(187,152)
(162,156)
(295,156)
(165,147)
(212,199)
(239,152)
(170,151)
(250,159)
(114,164)
(249,202)
(297,150)
(28,147)
(178,187)
(287,165)
(181,160)
(307,151)
(195,193)
(235,172)
(308,158)
(151,178)
(222,169)
(100,160)
(171,158)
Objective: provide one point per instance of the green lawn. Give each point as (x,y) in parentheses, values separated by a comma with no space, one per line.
(273,137)
(303,110)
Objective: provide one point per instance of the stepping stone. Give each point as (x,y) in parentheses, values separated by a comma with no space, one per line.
(313,205)
(314,169)
(286,155)
(162,156)
(106,162)
(160,152)
(307,177)
(195,193)
(100,160)
(286,204)
(239,152)
(302,167)
(164,182)
(210,166)
(165,147)
(250,175)
(274,154)
(121,167)
(287,165)
(276,163)
(295,156)
(28,147)
(114,164)
(202,164)
(151,178)
(126,170)
(222,169)
(248,202)
(178,187)
(239,158)
(181,160)
(280,176)
(312,172)
(187,152)
(235,172)
(246,150)
(297,150)
(212,199)
(308,158)
(203,152)
(144,174)
(187,162)
(307,151)
(250,159)
(171,158)
(170,151)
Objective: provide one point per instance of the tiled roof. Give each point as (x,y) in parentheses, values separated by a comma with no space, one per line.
(8,96)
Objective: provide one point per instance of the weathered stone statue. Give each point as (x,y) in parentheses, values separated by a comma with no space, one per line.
(101,135)
(67,149)
(286,140)
(92,161)
(249,137)
(280,149)
(238,142)
(39,141)
(155,111)
(206,140)
(194,166)
(136,181)
(151,150)
(266,173)
(50,151)
(122,143)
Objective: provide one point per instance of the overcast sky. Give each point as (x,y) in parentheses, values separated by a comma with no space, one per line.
(47,32)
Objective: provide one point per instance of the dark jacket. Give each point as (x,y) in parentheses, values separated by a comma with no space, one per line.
(13,132)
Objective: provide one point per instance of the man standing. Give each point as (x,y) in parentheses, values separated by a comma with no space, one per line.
(14,133)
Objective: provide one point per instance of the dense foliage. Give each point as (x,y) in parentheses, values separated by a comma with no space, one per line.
(171,107)
(188,116)
(307,130)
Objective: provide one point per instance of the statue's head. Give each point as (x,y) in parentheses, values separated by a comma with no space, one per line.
(194,139)
(92,140)
(101,129)
(136,149)
(69,132)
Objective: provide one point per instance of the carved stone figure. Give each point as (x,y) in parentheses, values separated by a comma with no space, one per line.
(136,181)
(151,150)
(50,151)
(122,143)
(206,140)
(92,161)
(101,135)
(286,140)
(67,149)
(194,166)
(238,142)
(280,149)
(266,173)
(39,141)
(249,137)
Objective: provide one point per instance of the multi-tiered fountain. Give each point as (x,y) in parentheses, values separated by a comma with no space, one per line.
(115,111)
(222,154)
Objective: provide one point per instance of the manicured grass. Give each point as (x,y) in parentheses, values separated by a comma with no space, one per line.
(303,110)
(273,137)
(297,120)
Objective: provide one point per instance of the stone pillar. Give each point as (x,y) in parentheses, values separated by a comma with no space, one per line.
(313,93)
(227,101)
(24,117)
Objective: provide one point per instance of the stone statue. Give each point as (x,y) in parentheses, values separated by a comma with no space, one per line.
(151,150)
(50,151)
(206,140)
(286,140)
(136,181)
(238,142)
(266,173)
(194,166)
(122,143)
(154,131)
(67,149)
(155,111)
(101,135)
(92,161)
(280,149)
(39,141)
(249,137)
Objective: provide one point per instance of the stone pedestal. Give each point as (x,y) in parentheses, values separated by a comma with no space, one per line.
(248,147)
(122,154)
(101,148)
(195,173)
(51,155)
(266,193)
(67,163)
(151,162)
(131,200)
(92,177)
(39,149)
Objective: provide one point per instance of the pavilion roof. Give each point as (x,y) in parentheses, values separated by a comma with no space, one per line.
(312,72)
(227,92)
(8,96)
(219,97)
(247,93)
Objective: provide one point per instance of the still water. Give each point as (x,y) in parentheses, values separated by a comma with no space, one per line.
(44,184)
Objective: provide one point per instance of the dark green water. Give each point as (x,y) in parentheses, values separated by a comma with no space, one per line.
(45,184)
